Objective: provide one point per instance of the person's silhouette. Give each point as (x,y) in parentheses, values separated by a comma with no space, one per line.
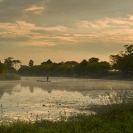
(47,78)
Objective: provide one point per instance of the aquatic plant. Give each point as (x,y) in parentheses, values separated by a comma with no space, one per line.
(103,123)
(117,119)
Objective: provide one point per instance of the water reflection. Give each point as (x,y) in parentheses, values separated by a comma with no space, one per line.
(6,88)
(31,88)
(62,96)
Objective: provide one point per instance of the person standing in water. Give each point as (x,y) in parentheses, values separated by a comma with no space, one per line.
(47,78)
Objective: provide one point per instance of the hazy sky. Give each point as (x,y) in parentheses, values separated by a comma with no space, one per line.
(63,30)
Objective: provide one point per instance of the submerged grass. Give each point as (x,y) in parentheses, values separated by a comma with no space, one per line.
(117,119)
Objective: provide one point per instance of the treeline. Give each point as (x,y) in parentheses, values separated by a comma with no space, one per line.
(91,67)
(121,64)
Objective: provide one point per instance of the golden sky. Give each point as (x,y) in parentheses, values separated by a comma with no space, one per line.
(64,30)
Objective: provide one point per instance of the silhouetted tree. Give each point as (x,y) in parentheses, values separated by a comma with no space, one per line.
(3,68)
(11,64)
(47,62)
(16,64)
(92,67)
(8,62)
(128,49)
(31,63)
(93,59)
(71,63)
(123,61)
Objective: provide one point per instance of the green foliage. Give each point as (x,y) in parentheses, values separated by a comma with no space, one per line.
(70,68)
(3,68)
(112,118)
(107,122)
(8,62)
(9,76)
(31,63)
(47,62)
(92,68)
(93,59)
(123,61)
(12,65)
(128,49)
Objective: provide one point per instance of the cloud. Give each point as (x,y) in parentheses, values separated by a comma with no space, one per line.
(39,43)
(107,23)
(106,30)
(30,34)
(57,28)
(11,11)
(35,9)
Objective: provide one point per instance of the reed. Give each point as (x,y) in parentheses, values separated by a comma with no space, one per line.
(117,119)
(9,76)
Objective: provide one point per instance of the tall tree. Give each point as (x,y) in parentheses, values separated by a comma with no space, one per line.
(8,62)
(3,68)
(123,61)
(11,64)
(128,49)
(31,63)
(48,62)
(93,59)
(16,64)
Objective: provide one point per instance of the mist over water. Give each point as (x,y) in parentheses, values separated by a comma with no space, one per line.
(29,99)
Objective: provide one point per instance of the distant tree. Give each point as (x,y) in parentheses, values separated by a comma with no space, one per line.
(84,63)
(24,70)
(93,59)
(81,68)
(47,62)
(31,63)
(93,66)
(104,66)
(3,68)
(128,49)
(11,64)
(123,61)
(16,64)
(72,63)
(8,62)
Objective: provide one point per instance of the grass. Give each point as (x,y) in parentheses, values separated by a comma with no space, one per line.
(9,76)
(114,117)
(118,118)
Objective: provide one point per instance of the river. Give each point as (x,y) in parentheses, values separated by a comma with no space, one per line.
(32,98)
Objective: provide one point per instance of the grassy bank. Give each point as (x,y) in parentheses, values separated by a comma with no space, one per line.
(116,119)
(9,76)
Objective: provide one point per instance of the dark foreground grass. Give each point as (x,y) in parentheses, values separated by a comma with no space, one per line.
(117,120)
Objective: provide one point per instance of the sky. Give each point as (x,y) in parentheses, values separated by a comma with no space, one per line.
(64,30)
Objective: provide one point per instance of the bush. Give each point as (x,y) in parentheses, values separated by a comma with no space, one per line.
(3,68)
(9,76)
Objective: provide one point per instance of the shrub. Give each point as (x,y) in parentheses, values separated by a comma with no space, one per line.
(3,68)
(9,76)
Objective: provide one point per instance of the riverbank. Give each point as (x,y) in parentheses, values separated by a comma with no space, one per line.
(116,119)
(9,76)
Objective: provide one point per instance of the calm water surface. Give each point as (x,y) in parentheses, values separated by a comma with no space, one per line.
(29,99)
